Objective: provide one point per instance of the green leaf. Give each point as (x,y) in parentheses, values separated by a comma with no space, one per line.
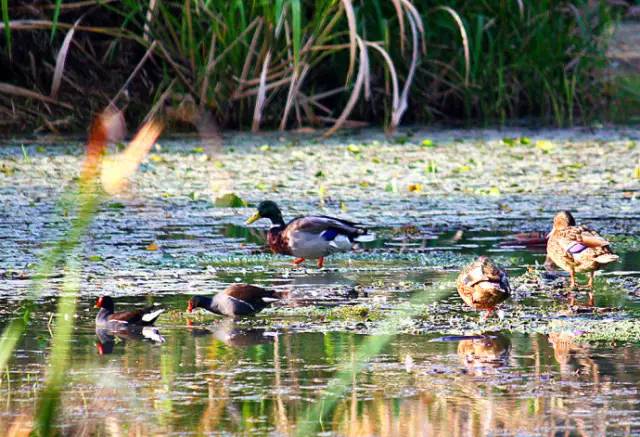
(56,15)
(427,143)
(115,205)
(353,149)
(545,145)
(7,29)
(525,140)
(297,31)
(229,200)
(401,139)
(462,169)
(509,141)
(431,167)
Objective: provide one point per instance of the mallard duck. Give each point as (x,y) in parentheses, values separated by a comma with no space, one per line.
(236,300)
(483,285)
(577,248)
(312,236)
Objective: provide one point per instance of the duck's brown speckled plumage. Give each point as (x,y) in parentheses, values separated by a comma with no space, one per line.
(577,248)
(483,285)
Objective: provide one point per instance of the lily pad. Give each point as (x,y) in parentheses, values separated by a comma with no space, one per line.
(230,200)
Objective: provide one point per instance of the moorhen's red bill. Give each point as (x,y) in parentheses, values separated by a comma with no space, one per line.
(236,300)
(107,317)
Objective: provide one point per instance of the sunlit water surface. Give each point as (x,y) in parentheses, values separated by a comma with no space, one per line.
(265,375)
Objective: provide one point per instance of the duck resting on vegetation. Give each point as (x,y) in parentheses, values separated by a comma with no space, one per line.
(108,318)
(577,248)
(236,300)
(483,285)
(312,236)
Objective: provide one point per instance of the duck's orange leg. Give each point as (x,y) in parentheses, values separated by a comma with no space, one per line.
(487,314)
(320,262)
(298,261)
(572,279)
(590,284)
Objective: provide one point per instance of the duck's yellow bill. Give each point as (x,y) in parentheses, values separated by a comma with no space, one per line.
(253,218)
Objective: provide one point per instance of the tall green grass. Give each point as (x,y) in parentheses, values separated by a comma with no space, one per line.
(291,63)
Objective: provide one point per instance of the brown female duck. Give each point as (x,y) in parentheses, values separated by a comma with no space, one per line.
(483,285)
(577,248)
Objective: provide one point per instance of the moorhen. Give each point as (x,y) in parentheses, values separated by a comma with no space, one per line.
(108,318)
(312,236)
(236,300)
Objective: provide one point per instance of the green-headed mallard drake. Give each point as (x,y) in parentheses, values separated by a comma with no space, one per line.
(577,248)
(483,285)
(312,236)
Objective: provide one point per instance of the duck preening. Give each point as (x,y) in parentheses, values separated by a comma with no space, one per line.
(108,318)
(309,237)
(577,248)
(483,285)
(236,300)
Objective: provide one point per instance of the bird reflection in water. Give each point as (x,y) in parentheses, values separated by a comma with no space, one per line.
(107,337)
(484,353)
(229,332)
(573,358)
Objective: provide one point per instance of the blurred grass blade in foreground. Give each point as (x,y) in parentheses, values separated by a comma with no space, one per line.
(117,170)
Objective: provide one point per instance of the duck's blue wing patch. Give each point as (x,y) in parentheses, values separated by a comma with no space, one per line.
(329,234)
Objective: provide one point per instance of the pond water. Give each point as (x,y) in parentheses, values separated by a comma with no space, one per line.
(433,366)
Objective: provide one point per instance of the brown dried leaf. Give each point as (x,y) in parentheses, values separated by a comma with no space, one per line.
(262,92)
(61,59)
(353,34)
(355,94)
(15,90)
